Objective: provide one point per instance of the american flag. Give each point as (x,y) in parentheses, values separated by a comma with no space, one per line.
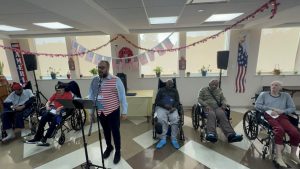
(242,61)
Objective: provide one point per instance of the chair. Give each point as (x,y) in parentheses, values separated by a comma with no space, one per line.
(180,113)
(254,122)
(69,115)
(199,118)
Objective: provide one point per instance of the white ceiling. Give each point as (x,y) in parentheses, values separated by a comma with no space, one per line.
(130,16)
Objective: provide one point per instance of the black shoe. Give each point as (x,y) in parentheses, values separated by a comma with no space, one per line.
(211,138)
(117,157)
(235,138)
(43,142)
(107,152)
(32,141)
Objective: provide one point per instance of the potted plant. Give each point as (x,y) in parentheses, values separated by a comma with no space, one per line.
(80,75)
(53,72)
(295,72)
(94,71)
(188,74)
(204,70)
(276,70)
(142,75)
(158,71)
(3,80)
(259,72)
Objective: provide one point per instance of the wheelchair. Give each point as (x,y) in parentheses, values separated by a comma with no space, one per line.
(199,119)
(180,113)
(29,115)
(69,116)
(254,124)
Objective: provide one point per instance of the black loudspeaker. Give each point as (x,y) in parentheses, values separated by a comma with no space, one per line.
(123,78)
(30,62)
(222,59)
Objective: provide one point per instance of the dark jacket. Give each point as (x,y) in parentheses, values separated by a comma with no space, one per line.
(167,92)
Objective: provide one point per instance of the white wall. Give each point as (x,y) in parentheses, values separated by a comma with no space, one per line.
(189,86)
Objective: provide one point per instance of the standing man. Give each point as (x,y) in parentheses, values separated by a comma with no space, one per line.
(110,95)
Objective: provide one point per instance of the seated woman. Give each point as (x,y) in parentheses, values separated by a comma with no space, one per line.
(16,105)
(52,115)
(167,101)
(277,105)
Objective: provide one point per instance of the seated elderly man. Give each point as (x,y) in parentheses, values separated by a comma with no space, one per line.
(53,114)
(214,103)
(167,101)
(277,105)
(16,107)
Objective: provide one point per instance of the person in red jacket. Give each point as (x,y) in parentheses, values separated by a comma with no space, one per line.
(53,114)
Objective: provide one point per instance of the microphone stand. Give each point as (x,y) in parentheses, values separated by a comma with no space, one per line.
(98,121)
(88,164)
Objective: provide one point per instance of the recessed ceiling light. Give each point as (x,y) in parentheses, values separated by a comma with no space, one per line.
(53,25)
(163,20)
(222,17)
(10,28)
(200,10)
(204,1)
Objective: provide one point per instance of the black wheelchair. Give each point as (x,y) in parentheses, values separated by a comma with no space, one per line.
(69,119)
(30,114)
(199,118)
(180,113)
(254,124)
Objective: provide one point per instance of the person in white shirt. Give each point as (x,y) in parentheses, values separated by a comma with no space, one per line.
(15,106)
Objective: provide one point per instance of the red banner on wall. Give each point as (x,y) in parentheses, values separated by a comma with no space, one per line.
(19,64)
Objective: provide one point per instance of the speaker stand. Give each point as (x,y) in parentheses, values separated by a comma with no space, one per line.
(38,93)
(220,78)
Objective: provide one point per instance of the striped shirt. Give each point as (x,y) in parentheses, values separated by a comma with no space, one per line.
(112,93)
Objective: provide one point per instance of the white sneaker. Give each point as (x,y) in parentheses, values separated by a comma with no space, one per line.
(280,162)
(295,159)
(10,135)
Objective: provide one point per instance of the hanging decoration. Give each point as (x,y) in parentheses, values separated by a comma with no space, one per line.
(159,49)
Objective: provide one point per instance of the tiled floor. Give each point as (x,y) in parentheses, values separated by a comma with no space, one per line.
(138,150)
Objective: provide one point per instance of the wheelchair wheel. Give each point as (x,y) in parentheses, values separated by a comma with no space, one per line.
(62,139)
(75,119)
(250,125)
(195,117)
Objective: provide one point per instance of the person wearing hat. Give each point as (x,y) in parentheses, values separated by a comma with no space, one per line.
(53,114)
(15,106)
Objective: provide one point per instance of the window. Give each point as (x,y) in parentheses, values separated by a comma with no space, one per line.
(204,54)
(168,61)
(3,58)
(91,42)
(281,52)
(58,64)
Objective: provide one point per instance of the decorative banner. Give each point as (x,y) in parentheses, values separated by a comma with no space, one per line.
(81,49)
(74,46)
(168,44)
(151,56)
(98,58)
(19,63)
(143,59)
(89,56)
(242,61)
(160,49)
(271,4)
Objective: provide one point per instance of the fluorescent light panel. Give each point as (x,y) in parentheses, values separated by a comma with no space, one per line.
(163,20)
(205,1)
(223,17)
(10,28)
(53,25)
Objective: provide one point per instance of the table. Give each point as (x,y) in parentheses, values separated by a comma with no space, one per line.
(141,103)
